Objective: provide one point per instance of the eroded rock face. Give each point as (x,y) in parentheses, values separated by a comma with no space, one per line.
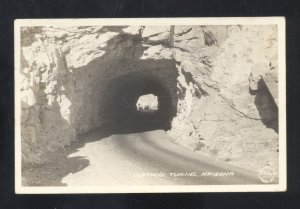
(211,72)
(226,73)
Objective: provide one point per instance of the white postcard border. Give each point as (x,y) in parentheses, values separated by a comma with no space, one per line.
(279,21)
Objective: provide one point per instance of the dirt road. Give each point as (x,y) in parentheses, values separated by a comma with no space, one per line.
(149,158)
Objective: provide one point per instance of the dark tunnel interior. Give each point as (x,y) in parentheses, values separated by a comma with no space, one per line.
(120,110)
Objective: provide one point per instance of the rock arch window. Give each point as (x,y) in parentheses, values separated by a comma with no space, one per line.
(131,97)
(147,103)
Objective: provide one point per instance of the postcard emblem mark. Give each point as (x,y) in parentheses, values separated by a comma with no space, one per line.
(267,174)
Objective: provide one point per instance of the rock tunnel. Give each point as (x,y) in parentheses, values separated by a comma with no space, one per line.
(104,92)
(119,110)
(78,79)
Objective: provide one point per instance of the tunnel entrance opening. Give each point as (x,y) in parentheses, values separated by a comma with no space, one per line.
(147,103)
(125,111)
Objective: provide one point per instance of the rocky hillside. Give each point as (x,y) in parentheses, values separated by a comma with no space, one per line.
(213,74)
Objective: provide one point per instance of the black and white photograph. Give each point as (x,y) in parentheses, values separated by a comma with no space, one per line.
(138,105)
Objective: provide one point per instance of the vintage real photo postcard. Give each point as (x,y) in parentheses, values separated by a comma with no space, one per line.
(150,105)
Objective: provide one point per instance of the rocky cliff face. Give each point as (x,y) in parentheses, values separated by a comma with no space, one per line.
(229,118)
(213,74)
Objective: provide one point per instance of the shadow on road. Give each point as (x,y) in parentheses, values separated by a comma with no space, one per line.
(59,163)
(52,172)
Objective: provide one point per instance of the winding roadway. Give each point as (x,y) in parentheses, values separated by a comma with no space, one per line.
(149,158)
